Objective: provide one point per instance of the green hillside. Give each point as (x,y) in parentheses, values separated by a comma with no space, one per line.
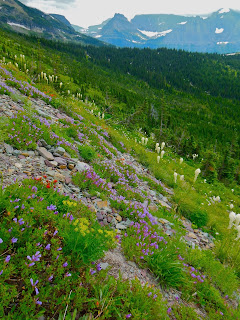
(97,221)
(191,101)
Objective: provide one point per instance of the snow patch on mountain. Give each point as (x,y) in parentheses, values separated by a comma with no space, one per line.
(226,10)
(220,30)
(184,22)
(222,42)
(151,34)
(18,25)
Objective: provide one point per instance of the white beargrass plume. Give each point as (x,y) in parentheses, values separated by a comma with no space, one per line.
(162,154)
(99,114)
(103,116)
(60,85)
(197,171)
(238,230)
(175,177)
(56,78)
(158,159)
(53,77)
(92,111)
(25,66)
(39,77)
(42,74)
(232,190)
(232,217)
(162,145)
(143,140)
(146,141)
(158,150)
(194,156)
(3,59)
(157,145)
(182,177)
(237,220)
(15,57)
(68,91)
(231,206)
(50,79)
(47,80)
(181,160)
(27,71)
(16,64)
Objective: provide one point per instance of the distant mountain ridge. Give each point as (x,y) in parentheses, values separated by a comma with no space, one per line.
(217,32)
(16,16)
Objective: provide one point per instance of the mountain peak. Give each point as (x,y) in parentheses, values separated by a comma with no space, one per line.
(120,16)
(224,10)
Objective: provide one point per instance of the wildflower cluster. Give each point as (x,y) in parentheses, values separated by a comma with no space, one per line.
(23,86)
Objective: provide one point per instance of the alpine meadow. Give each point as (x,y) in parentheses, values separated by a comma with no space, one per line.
(120,177)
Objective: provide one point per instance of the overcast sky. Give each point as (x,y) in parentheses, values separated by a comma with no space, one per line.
(91,12)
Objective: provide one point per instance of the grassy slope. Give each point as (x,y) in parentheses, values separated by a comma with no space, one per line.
(190,201)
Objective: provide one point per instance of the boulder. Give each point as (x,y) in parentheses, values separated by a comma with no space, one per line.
(82,166)
(45,154)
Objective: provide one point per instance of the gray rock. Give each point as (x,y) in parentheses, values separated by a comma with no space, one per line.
(104,265)
(60,161)
(82,166)
(43,143)
(132,264)
(45,154)
(51,164)
(16,152)
(43,114)
(105,222)
(120,226)
(60,151)
(99,216)
(8,148)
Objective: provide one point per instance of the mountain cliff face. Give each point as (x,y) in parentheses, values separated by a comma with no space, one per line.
(18,17)
(218,32)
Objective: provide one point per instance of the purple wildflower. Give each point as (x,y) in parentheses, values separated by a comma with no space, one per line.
(1,240)
(65,264)
(128,316)
(14,240)
(37,301)
(48,246)
(68,274)
(92,271)
(7,258)
(52,207)
(1,272)
(98,267)
(50,278)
